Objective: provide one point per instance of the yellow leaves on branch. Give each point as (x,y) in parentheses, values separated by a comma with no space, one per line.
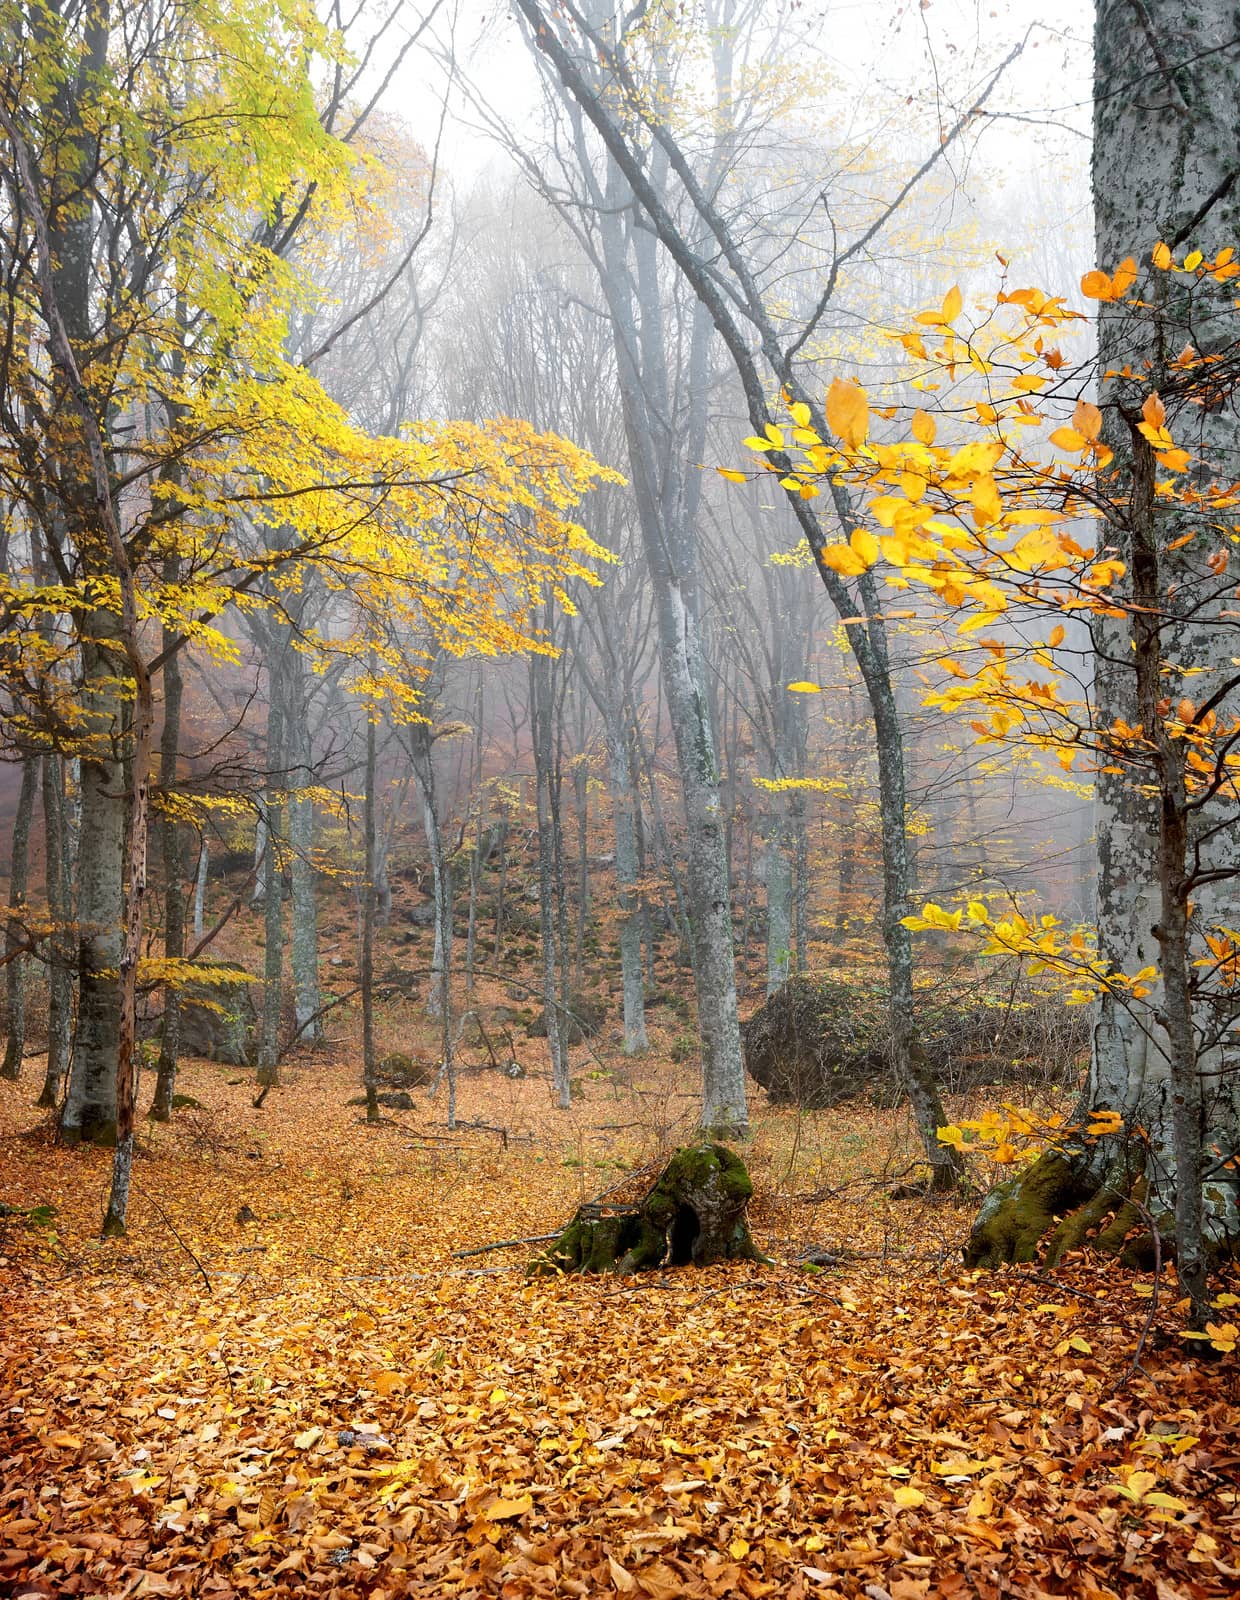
(848,413)
(1097,285)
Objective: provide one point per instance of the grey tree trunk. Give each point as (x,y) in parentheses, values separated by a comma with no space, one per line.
(625,805)
(273,811)
(60,942)
(200,888)
(1164,168)
(171,853)
(90,1108)
(16,933)
(303,880)
(542,740)
(366,966)
(777,876)
(669,542)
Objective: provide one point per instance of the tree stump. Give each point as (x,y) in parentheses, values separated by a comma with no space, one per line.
(694,1215)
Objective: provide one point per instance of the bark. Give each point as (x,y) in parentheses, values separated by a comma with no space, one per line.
(60,942)
(90,1108)
(16,933)
(273,810)
(200,889)
(625,808)
(366,966)
(171,853)
(303,878)
(541,715)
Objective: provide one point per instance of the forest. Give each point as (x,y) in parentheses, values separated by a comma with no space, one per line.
(619,799)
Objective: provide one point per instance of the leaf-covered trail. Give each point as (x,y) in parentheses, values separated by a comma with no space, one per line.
(348,1410)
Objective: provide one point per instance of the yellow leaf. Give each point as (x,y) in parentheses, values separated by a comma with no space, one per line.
(803,686)
(1123,278)
(848,412)
(923,427)
(1057,635)
(842,558)
(775,435)
(500,1510)
(952,304)
(1096,285)
(738,1549)
(905,1495)
(1087,419)
(1162,256)
(311,1437)
(731,475)
(1068,439)
(959,1467)
(1154,411)
(799,412)
(865,545)
(1193,260)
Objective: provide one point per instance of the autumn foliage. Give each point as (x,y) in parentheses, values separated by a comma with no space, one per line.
(316,1395)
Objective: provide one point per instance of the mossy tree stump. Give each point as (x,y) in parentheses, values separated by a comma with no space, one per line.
(694,1215)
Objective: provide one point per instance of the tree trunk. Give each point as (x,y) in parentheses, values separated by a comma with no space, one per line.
(625,806)
(171,852)
(1164,168)
(60,942)
(366,966)
(90,1109)
(694,1215)
(549,922)
(16,933)
(273,806)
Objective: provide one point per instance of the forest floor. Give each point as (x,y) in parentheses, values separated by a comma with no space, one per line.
(288,1380)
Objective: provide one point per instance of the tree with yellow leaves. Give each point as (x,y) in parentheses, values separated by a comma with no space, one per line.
(170,466)
(1125,514)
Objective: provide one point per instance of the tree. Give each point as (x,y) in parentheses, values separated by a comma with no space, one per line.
(152,464)
(613,71)
(987,526)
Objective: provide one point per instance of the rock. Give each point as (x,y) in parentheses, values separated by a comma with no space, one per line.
(400,1070)
(245,1215)
(815,1042)
(218,1016)
(586,1016)
(694,1215)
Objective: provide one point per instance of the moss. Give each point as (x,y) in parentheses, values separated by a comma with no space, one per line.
(695,1213)
(1017,1214)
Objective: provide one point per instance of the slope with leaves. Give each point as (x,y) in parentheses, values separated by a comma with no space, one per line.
(348,1410)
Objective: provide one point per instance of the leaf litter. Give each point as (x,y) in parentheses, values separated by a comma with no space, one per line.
(284,1382)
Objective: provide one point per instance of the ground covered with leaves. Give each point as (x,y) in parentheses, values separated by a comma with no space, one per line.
(288,1380)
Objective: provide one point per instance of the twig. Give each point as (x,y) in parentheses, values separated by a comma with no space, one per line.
(171,1226)
(1134,1366)
(504,1244)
